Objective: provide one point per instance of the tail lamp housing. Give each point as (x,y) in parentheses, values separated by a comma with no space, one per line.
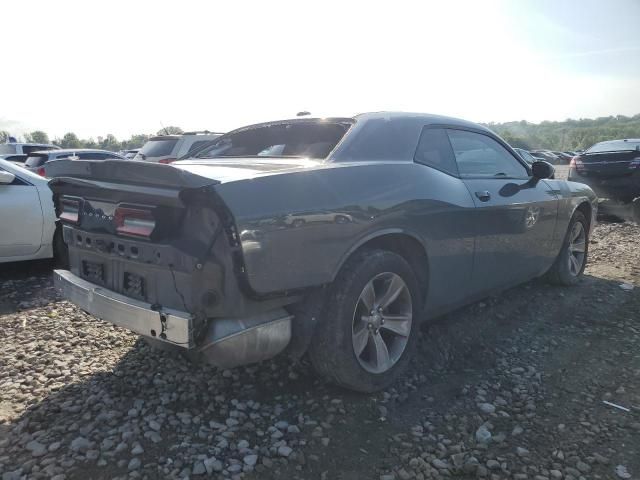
(70,210)
(167,160)
(134,222)
(576,163)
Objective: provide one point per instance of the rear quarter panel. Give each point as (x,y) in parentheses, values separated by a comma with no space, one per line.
(341,207)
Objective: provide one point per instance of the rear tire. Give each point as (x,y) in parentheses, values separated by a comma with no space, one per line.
(369,329)
(572,259)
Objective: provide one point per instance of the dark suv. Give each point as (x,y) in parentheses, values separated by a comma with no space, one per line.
(36,160)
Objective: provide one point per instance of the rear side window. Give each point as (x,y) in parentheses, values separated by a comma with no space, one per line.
(435,151)
(479,155)
(7,149)
(34,161)
(158,148)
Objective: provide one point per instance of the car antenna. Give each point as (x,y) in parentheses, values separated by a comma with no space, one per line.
(303,114)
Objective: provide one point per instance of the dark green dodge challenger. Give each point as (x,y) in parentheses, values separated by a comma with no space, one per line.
(332,236)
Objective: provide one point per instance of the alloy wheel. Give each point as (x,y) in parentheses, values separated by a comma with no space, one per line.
(577,248)
(382,322)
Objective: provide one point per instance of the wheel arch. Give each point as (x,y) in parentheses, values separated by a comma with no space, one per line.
(402,242)
(586,209)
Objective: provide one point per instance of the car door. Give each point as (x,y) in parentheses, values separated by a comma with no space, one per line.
(445,221)
(21,219)
(515,214)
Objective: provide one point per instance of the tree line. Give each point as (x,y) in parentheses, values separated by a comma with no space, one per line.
(71,140)
(567,135)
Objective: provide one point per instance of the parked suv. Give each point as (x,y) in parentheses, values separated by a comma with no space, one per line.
(13,148)
(36,160)
(169,148)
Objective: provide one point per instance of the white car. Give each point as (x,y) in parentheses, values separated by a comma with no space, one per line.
(28,218)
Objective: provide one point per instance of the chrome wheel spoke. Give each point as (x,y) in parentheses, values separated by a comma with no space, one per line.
(360,340)
(368,296)
(398,324)
(578,247)
(383,361)
(575,265)
(395,288)
(577,230)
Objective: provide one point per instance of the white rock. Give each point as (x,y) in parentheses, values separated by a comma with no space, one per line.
(622,472)
(483,435)
(250,460)
(284,451)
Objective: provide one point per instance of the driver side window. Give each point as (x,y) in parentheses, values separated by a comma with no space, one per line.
(479,155)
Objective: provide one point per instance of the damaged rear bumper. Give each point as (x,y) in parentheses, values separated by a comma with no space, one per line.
(169,325)
(226,342)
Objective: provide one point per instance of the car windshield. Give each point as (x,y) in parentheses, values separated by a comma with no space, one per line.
(311,139)
(615,146)
(7,149)
(158,148)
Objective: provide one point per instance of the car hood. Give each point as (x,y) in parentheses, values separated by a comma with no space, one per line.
(229,170)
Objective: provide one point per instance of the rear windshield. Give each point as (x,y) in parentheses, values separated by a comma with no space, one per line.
(614,146)
(313,139)
(158,148)
(35,161)
(27,149)
(7,149)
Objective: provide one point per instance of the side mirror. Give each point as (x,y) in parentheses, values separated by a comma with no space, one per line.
(6,177)
(542,170)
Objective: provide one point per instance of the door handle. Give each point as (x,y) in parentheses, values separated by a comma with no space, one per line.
(484,196)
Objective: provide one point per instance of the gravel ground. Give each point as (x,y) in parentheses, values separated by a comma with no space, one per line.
(508,388)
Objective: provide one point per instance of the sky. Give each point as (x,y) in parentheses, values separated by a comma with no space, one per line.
(125,67)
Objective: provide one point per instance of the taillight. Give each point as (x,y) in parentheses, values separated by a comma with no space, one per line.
(635,163)
(134,222)
(40,171)
(576,163)
(70,210)
(167,160)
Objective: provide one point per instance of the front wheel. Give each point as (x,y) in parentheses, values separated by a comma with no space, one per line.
(572,259)
(367,336)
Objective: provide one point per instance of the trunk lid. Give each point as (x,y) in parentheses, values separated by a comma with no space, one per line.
(608,164)
(182,174)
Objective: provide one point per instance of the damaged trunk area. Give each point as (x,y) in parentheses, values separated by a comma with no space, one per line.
(160,255)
